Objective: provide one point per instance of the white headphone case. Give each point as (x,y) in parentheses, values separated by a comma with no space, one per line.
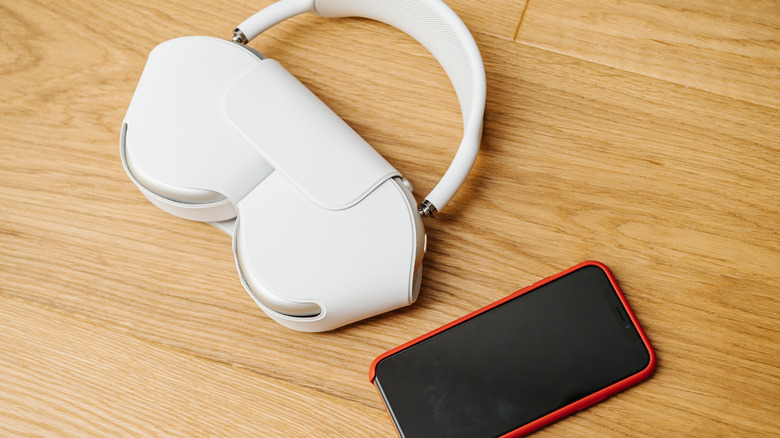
(326,231)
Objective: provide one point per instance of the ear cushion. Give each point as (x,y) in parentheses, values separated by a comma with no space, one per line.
(351,264)
(177,145)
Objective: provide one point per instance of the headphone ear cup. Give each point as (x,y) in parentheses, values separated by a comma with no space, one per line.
(350,264)
(176,144)
(187,203)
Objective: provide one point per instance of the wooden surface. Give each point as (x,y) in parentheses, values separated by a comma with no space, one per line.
(643,134)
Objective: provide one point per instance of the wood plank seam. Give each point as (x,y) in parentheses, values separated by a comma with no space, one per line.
(520,23)
(656,78)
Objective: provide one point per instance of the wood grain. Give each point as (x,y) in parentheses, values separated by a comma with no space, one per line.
(720,46)
(120,320)
(75,379)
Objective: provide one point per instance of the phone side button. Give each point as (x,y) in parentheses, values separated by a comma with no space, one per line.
(592,403)
(531,287)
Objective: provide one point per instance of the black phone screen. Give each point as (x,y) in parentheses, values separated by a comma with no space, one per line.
(517,362)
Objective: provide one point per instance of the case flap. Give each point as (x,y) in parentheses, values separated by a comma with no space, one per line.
(303,139)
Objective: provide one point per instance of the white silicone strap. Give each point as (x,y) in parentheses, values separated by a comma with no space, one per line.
(438,29)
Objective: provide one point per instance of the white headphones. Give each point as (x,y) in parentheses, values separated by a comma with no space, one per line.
(325,231)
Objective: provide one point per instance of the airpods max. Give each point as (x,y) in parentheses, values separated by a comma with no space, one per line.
(325,231)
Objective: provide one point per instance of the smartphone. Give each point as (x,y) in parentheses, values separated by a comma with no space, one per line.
(536,356)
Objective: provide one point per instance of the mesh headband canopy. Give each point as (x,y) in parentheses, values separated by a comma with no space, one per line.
(434,25)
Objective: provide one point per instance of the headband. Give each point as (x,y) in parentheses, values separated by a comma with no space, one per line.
(434,25)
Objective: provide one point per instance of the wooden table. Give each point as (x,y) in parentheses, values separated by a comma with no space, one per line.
(643,134)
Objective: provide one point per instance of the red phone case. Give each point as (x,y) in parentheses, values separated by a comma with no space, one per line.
(573,407)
